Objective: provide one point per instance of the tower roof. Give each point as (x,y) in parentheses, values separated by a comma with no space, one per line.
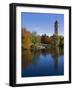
(56,22)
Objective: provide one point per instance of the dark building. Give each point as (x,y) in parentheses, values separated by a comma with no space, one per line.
(56,27)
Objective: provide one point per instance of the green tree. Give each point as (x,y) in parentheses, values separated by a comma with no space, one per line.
(34,38)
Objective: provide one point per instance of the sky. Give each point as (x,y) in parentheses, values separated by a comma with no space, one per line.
(42,23)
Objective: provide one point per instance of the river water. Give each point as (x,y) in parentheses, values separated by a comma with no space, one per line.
(46,62)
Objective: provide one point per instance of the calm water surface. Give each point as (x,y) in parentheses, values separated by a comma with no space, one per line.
(42,62)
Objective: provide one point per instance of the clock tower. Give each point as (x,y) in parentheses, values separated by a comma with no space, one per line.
(56,27)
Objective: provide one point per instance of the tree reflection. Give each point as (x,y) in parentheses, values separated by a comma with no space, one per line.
(26,58)
(55,56)
(35,57)
(29,57)
(32,56)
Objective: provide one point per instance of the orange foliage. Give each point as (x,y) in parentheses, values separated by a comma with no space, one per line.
(26,39)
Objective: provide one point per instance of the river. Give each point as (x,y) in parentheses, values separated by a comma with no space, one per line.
(46,62)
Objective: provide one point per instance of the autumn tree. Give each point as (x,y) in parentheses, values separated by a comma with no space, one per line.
(61,41)
(45,39)
(26,39)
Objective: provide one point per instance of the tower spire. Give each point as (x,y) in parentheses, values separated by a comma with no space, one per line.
(56,27)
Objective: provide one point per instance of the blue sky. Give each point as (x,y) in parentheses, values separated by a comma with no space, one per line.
(42,23)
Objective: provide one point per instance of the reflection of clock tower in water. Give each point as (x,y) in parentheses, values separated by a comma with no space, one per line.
(56,53)
(56,27)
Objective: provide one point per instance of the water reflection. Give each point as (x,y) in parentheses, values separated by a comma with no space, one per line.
(45,62)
